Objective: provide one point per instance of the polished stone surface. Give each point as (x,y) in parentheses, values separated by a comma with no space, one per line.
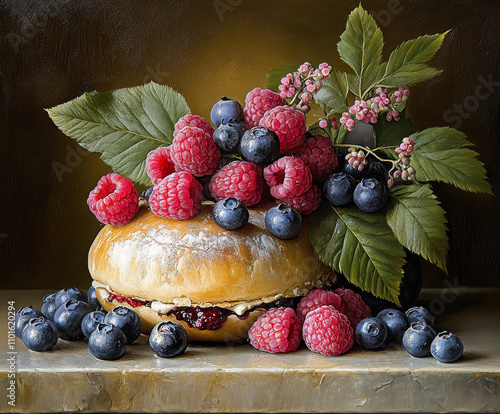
(242,379)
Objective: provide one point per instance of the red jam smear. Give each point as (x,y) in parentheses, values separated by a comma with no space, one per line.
(204,318)
(132,302)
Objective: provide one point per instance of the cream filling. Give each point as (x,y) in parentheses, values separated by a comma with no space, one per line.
(237,307)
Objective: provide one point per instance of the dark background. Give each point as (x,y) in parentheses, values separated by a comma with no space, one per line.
(54,50)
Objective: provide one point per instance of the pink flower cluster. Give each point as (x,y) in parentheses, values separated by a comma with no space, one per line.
(304,83)
(403,168)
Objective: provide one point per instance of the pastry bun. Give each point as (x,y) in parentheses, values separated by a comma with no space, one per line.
(169,263)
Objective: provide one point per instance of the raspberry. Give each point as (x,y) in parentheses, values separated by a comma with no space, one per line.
(305,203)
(194,151)
(114,201)
(277,330)
(193,121)
(240,179)
(289,124)
(177,196)
(319,155)
(327,331)
(316,298)
(159,164)
(353,306)
(257,103)
(288,177)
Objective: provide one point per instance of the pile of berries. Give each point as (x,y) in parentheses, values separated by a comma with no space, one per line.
(325,320)
(72,315)
(413,329)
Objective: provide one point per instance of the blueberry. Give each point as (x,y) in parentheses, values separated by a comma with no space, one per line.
(418,338)
(68,319)
(354,172)
(396,323)
(127,320)
(90,322)
(371,333)
(23,315)
(146,194)
(338,188)
(227,137)
(283,221)
(107,342)
(260,145)
(40,334)
(370,195)
(92,299)
(63,295)
(230,214)
(49,306)
(419,314)
(377,170)
(447,347)
(224,110)
(168,339)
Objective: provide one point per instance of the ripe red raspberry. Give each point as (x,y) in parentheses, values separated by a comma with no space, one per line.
(289,124)
(305,203)
(114,201)
(177,196)
(193,121)
(159,164)
(258,102)
(240,179)
(316,298)
(327,331)
(353,306)
(277,330)
(194,151)
(288,177)
(319,156)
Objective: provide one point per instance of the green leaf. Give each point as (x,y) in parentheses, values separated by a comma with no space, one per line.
(361,246)
(333,94)
(361,47)
(406,65)
(274,76)
(419,222)
(442,154)
(123,125)
(391,133)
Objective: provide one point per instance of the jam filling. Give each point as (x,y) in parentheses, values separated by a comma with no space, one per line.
(204,318)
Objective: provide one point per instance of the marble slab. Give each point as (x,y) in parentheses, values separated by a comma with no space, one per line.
(240,378)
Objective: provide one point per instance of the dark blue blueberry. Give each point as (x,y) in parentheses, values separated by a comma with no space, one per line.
(447,347)
(107,342)
(90,322)
(371,333)
(396,323)
(230,214)
(146,194)
(419,314)
(418,338)
(23,315)
(168,339)
(224,110)
(127,320)
(283,221)
(370,195)
(338,188)
(377,170)
(92,299)
(260,145)
(64,295)
(49,306)
(68,319)
(40,334)
(227,137)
